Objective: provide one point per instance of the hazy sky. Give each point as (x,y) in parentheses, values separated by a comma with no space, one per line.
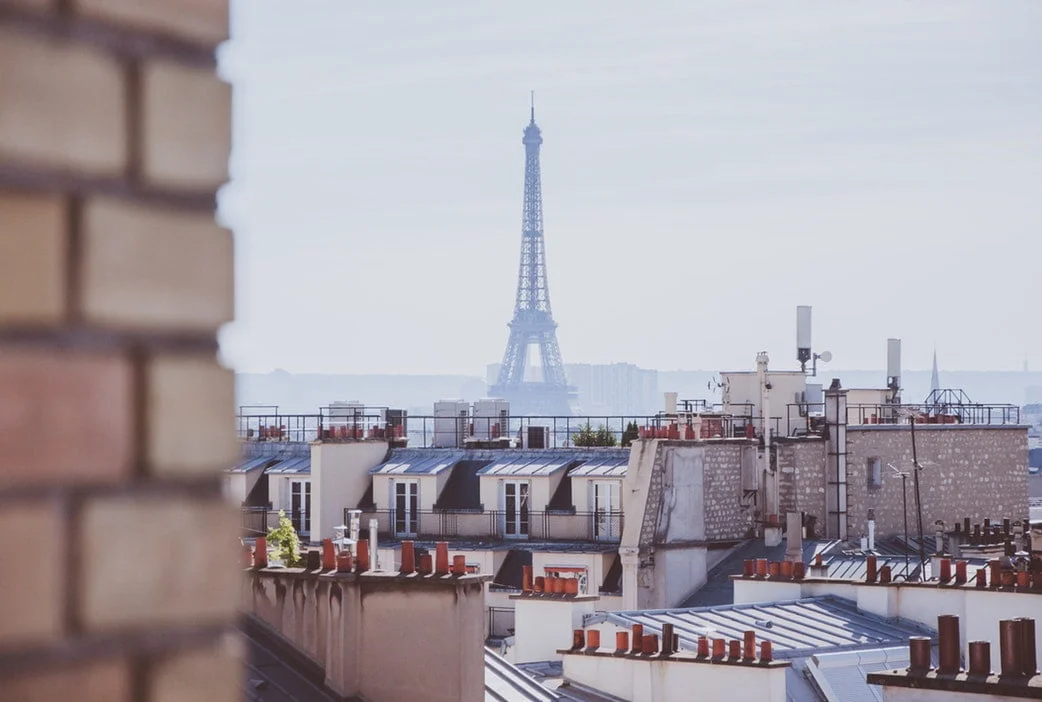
(707,166)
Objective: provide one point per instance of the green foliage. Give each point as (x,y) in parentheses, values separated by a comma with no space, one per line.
(631,434)
(588,436)
(285,541)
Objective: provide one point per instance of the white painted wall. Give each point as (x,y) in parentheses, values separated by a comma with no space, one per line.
(339,478)
(979,611)
(582,492)
(542,626)
(907,694)
(742,387)
(864,396)
(654,680)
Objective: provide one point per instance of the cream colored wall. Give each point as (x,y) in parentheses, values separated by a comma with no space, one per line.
(379,636)
(650,680)
(582,492)
(743,387)
(339,478)
(542,626)
(234,488)
(538,491)
(428,487)
(863,396)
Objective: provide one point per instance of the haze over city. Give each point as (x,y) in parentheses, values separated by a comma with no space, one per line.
(705,164)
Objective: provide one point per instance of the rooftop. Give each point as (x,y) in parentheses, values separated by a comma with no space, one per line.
(795,628)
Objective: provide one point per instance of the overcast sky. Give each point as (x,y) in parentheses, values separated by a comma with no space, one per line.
(707,166)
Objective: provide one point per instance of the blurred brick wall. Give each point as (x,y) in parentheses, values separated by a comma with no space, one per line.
(118,572)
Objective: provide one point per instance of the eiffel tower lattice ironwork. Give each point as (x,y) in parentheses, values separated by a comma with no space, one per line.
(533,323)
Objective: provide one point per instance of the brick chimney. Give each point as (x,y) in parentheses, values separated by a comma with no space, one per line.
(117,417)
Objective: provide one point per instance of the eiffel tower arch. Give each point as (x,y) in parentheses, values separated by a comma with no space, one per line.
(533,327)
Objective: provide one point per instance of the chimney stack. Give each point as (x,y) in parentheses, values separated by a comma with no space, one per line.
(948,648)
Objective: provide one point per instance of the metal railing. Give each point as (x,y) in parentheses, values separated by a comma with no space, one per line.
(550,432)
(859,414)
(548,525)
(258,521)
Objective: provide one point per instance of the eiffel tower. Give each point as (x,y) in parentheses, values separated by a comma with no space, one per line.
(545,391)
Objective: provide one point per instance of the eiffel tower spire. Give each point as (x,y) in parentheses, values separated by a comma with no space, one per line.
(533,324)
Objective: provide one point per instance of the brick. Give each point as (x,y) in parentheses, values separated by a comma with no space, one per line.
(191,409)
(65,417)
(158,560)
(212,674)
(186,118)
(198,20)
(63,106)
(32,259)
(104,681)
(155,269)
(31,591)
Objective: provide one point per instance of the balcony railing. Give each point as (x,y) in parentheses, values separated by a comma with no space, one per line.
(547,525)
(258,521)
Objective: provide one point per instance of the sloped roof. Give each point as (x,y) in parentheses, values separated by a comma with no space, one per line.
(795,627)
(418,462)
(291,464)
(505,682)
(529,463)
(611,466)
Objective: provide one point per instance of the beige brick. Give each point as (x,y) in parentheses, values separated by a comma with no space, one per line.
(213,674)
(63,105)
(104,681)
(158,560)
(153,268)
(186,115)
(200,20)
(65,417)
(191,412)
(31,588)
(32,259)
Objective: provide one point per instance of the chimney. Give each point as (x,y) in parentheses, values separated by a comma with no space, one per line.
(362,562)
(980,658)
(667,639)
(949,647)
(1028,650)
(1009,647)
(870,569)
(919,653)
(260,553)
(817,568)
(441,558)
(749,647)
(622,643)
(408,558)
(328,555)
(638,637)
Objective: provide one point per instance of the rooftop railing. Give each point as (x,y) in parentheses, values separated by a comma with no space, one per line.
(546,525)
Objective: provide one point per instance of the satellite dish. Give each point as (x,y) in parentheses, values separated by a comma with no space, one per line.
(825,356)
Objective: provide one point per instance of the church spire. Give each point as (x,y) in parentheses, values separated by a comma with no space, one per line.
(935,377)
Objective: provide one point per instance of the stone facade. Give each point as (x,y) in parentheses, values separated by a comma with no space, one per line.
(729,514)
(967,471)
(116,419)
(801,471)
